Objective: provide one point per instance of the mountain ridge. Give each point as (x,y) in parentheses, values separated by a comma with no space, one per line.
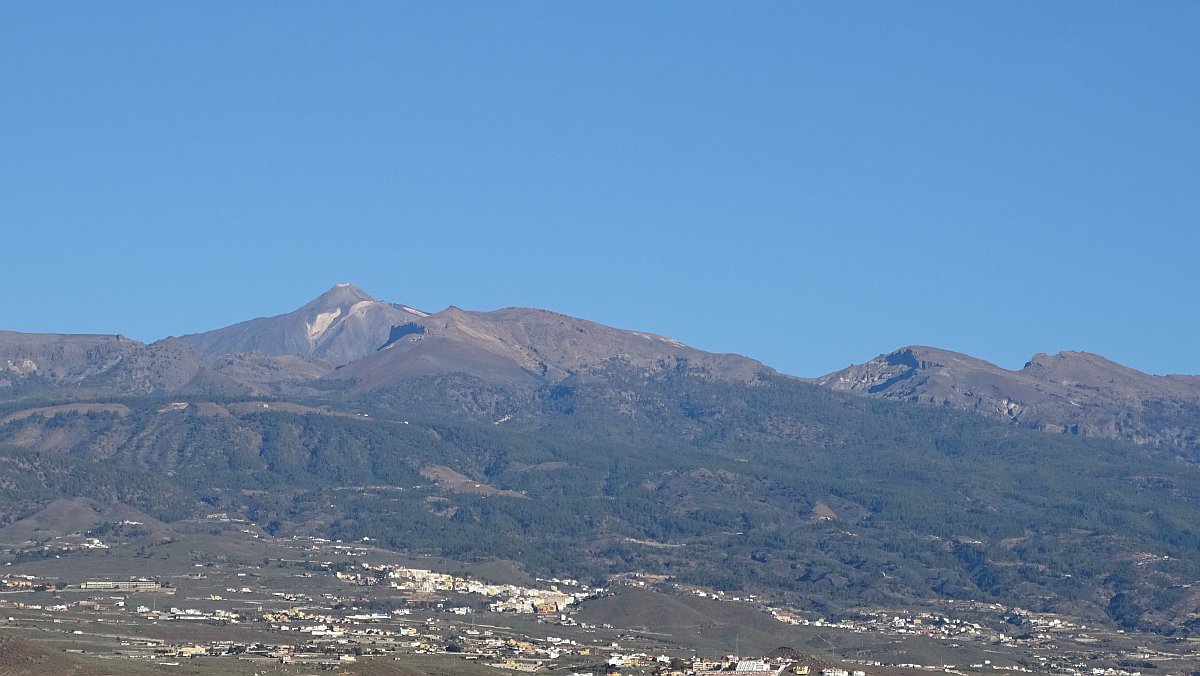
(737,476)
(339,326)
(346,338)
(367,339)
(1071,392)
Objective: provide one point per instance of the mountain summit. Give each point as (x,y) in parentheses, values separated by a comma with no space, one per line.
(339,295)
(380,343)
(341,325)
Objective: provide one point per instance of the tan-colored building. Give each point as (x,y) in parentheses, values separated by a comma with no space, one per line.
(123,585)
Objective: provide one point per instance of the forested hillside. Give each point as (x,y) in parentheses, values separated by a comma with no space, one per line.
(776,486)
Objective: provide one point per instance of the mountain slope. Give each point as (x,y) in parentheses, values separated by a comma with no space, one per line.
(581,449)
(1070,392)
(826,499)
(524,346)
(162,366)
(377,344)
(339,326)
(57,358)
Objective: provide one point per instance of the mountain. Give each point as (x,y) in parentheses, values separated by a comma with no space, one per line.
(584,450)
(824,500)
(524,346)
(377,344)
(339,326)
(57,358)
(1070,392)
(163,366)
(346,338)
(84,366)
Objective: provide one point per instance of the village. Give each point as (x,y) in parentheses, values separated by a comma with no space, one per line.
(329,604)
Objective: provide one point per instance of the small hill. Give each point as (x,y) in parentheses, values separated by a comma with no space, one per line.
(647,609)
(20,657)
(75,515)
(642,609)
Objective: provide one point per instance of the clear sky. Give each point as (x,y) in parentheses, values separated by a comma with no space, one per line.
(809,184)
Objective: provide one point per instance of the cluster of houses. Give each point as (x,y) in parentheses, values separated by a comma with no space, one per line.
(1012,626)
(22,582)
(927,624)
(342,627)
(507,597)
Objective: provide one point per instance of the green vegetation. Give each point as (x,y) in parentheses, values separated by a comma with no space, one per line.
(778,487)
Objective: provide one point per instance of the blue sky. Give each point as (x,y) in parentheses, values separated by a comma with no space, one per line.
(809,184)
